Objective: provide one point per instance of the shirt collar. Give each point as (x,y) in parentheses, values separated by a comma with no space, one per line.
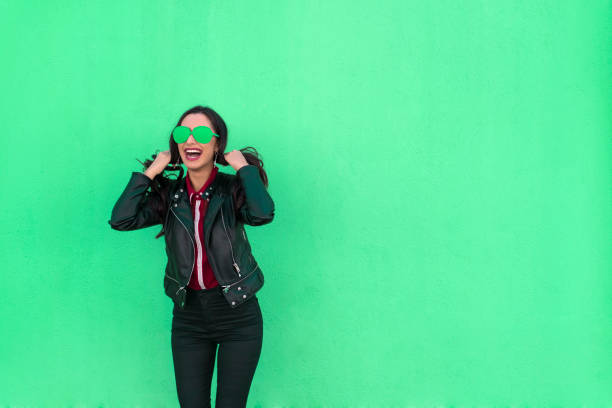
(191,191)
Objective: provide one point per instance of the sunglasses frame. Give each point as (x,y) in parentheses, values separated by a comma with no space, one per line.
(209,134)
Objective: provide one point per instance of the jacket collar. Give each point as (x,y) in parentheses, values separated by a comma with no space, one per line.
(206,189)
(180,205)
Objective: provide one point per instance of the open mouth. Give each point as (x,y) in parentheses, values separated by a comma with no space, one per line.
(193,154)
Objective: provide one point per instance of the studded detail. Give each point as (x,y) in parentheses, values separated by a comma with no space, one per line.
(244,296)
(233,303)
(239,288)
(175,204)
(181,190)
(176,196)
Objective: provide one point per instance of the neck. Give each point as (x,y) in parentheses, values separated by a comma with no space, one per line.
(198,177)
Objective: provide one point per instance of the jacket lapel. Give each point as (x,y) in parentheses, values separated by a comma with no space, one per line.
(213,207)
(183,206)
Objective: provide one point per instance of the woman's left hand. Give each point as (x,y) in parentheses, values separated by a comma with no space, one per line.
(236,159)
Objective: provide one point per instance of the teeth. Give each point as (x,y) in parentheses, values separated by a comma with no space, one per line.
(192,151)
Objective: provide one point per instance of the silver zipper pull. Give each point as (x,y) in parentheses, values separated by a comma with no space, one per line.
(237,268)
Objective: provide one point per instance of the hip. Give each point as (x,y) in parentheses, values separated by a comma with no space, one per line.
(207,313)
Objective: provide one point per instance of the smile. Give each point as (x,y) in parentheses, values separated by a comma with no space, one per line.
(192,154)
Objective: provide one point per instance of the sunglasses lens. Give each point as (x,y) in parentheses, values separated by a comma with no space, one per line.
(181,134)
(202,134)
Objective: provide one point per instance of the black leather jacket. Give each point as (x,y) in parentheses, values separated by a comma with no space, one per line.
(227,247)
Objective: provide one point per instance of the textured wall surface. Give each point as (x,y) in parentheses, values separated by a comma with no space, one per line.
(442,179)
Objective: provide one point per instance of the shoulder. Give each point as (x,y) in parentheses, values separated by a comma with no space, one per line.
(226,177)
(225,182)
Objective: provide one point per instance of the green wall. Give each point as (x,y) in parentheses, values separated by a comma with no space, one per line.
(442,179)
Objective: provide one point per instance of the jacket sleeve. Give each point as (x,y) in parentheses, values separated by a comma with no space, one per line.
(258,208)
(135,208)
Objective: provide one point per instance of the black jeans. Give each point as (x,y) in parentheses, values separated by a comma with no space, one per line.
(208,321)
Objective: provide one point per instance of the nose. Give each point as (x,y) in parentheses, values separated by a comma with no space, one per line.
(191,138)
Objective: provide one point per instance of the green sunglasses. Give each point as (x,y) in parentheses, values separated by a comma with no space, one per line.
(202,134)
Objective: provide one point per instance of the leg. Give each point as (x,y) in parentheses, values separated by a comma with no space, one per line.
(194,361)
(235,369)
(238,358)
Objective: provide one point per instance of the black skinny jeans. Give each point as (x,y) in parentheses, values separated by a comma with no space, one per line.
(208,321)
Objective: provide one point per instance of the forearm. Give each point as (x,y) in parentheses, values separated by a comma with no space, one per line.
(134,209)
(258,208)
(150,173)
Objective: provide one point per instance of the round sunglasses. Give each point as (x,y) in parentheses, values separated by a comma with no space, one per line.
(202,134)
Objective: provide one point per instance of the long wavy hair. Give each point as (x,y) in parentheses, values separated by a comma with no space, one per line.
(161,183)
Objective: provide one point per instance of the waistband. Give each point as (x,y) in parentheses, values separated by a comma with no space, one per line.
(205,292)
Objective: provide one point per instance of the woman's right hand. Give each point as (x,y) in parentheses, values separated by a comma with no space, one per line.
(159,164)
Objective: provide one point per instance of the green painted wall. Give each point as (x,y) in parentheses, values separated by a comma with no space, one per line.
(442,179)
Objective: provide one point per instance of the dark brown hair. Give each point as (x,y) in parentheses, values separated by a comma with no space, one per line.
(161,183)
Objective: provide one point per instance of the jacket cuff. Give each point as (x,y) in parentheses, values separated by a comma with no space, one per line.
(141,175)
(247,171)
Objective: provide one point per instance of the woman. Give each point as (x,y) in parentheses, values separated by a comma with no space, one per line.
(211,274)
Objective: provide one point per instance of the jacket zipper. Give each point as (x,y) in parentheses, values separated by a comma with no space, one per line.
(226,287)
(192,243)
(231,247)
(170,277)
(167,212)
